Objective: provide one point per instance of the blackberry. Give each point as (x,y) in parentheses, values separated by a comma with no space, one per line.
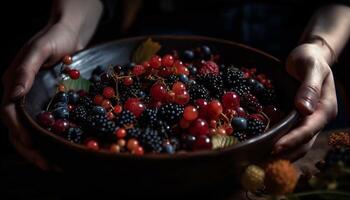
(75,135)
(240,89)
(171,79)
(255,127)
(79,114)
(171,112)
(149,118)
(232,76)
(213,83)
(134,133)
(337,155)
(163,129)
(86,102)
(126,118)
(267,96)
(100,126)
(241,136)
(151,141)
(130,91)
(198,91)
(251,103)
(97,88)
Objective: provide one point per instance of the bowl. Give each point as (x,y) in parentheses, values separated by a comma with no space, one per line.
(181,171)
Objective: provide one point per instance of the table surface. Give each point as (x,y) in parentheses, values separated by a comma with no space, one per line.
(21,180)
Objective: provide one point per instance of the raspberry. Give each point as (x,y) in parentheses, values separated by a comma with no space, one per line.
(253,178)
(138,70)
(209,67)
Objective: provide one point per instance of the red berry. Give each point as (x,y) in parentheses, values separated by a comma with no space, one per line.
(132,144)
(60,126)
(202,142)
(120,133)
(212,123)
(202,104)
(178,63)
(182,70)
(114,148)
(117,109)
(155,62)
(199,127)
(182,98)
(209,67)
(98,99)
(46,119)
(241,112)
(230,100)
(67,60)
(128,81)
(108,92)
(165,71)
(190,113)
(135,106)
(171,96)
(138,70)
(110,115)
(184,123)
(106,104)
(146,65)
(92,144)
(229,130)
(74,74)
(138,151)
(214,109)
(178,87)
(221,131)
(167,60)
(158,92)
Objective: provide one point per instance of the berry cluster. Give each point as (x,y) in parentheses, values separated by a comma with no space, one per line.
(165,104)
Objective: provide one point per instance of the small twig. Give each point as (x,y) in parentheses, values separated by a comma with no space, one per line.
(268,120)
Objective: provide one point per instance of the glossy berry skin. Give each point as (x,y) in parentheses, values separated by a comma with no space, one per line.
(135,106)
(168,148)
(138,70)
(106,104)
(138,151)
(182,70)
(155,62)
(108,92)
(61,113)
(74,74)
(67,60)
(199,127)
(230,100)
(128,81)
(158,92)
(202,142)
(190,113)
(167,60)
(241,112)
(239,123)
(182,98)
(188,55)
(45,119)
(214,109)
(183,78)
(117,109)
(60,126)
(193,70)
(178,87)
(120,133)
(61,97)
(114,148)
(98,110)
(98,99)
(132,144)
(92,144)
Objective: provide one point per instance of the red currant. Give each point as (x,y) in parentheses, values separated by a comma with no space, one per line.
(46,119)
(60,126)
(241,112)
(108,92)
(138,151)
(214,109)
(92,144)
(230,100)
(128,81)
(120,133)
(184,123)
(155,62)
(182,98)
(117,109)
(106,104)
(158,92)
(202,142)
(135,106)
(167,60)
(138,70)
(132,144)
(199,127)
(190,113)
(98,99)
(74,74)
(212,123)
(178,87)
(110,115)
(67,60)
(114,148)
(182,70)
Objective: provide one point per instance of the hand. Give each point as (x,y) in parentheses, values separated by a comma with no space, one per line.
(315,100)
(68,30)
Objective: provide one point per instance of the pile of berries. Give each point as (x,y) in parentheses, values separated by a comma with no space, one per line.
(166,104)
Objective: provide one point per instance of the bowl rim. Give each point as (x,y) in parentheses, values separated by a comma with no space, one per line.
(291,117)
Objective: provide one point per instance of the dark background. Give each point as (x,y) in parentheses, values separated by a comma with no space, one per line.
(234,21)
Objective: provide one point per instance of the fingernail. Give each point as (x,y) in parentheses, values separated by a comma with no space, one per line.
(17,92)
(309,106)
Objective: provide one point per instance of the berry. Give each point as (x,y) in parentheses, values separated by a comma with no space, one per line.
(193,70)
(233,76)
(168,148)
(199,127)
(213,83)
(132,144)
(171,112)
(255,127)
(106,104)
(98,99)
(138,151)
(149,118)
(135,106)
(209,67)
(241,136)
(187,55)
(155,62)
(184,123)
(151,141)
(138,70)
(171,79)
(198,91)
(182,70)
(178,87)
(75,135)
(164,130)
(251,103)
(206,52)
(86,102)
(61,97)
(214,109)
(336,156)
(239,124)
(92,144)
(98,110)
(182,98)
(158,92)
(117,109)
(60,126)
(240,89)
(126,118)
(190,113)
(128,81)
(133,133)
(108,92)
(101,127)
(79,114)
(231,100)
(67,60)
(74,74)
(61,113)
(73,97)
(45,119)
(183,78)
(167,60)
(202,142)
(115,148)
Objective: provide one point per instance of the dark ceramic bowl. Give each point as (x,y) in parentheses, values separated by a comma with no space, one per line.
(183,171)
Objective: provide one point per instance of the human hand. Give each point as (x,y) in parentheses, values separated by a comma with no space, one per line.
(70,28)
(315,100)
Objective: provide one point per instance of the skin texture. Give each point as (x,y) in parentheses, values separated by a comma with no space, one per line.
(73,23)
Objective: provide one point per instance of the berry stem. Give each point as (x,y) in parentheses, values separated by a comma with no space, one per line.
(268,120)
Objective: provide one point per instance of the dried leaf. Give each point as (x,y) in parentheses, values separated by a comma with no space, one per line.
(221,141)
(145,51)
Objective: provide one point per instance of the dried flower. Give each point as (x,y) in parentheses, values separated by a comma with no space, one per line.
(280,177)
(253,178)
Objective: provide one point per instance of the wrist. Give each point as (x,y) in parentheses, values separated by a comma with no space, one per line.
(323,47)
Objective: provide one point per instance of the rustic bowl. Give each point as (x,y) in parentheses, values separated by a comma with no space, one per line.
(180,172)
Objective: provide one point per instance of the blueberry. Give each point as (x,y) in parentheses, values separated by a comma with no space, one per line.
(183,78)
(168,148)
(61,113)
(141,94)
(188,55)
(206,52)
(259,87)
(59,104)
(61,97)
(193,70)
(239,123)
(98,110)
(191,82)
(73,97)
(251,82)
